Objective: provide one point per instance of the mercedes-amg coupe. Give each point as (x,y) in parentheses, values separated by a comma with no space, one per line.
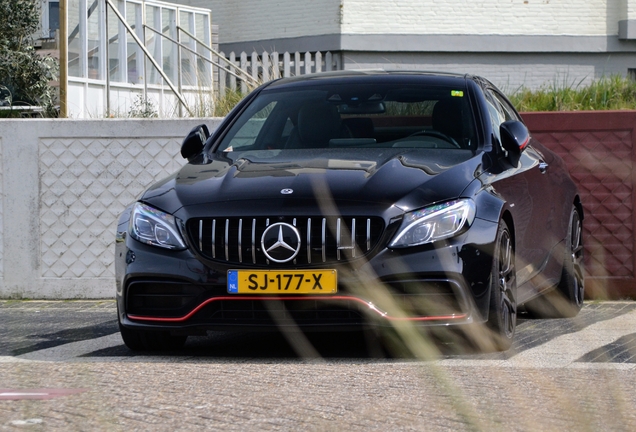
(348,199)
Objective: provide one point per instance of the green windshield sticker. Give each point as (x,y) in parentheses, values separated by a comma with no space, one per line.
(457,93)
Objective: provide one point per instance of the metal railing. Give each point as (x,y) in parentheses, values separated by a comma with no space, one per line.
(247,71)
(148,56)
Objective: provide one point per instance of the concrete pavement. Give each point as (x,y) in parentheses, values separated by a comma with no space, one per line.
(575,374)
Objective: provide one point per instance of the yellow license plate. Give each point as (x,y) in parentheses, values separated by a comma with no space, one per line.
(282,282)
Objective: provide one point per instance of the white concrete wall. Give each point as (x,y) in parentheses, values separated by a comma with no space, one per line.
(62,185)
(1,210)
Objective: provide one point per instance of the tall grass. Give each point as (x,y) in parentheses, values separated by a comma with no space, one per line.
(606,93)
(209,104)
(224,104)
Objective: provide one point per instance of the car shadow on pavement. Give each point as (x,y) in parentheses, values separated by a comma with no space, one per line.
(366,344)
(266,345)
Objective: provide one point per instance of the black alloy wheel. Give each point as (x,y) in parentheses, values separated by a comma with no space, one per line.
(572,284)
(502,319)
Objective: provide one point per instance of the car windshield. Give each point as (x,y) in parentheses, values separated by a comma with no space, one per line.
(355,116)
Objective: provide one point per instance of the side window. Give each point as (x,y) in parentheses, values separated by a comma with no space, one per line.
(496,113)
(508,110)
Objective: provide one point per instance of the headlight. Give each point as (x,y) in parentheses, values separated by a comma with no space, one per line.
(434,223)
(154,227)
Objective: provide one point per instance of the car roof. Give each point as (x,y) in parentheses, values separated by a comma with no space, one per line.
(372,76)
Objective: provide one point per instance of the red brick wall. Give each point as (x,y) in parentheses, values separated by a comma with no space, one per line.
(598,148)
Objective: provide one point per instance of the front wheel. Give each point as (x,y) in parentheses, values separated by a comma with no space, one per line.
(502,317)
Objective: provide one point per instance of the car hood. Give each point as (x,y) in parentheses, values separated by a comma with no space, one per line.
(402,178)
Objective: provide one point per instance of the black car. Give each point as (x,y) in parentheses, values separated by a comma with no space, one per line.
(339,200)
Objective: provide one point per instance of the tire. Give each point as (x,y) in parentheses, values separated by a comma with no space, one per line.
(502,316)
(566,300)
(138,340)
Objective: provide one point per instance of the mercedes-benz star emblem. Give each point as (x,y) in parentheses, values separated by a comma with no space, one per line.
(281,242)
(287,191)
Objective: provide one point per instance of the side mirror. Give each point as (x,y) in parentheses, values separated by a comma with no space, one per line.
(514,138)
(194,142)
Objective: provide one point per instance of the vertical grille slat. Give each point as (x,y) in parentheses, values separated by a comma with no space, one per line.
(339,233)
(253,241)
(226,240)
(213,239)
(309,240)
(240,240)
(328,239)
(353,237)
(324,239)
(338,236)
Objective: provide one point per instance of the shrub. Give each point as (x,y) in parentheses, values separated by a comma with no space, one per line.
(22,70)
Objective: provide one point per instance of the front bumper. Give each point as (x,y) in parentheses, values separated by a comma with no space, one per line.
(434,285)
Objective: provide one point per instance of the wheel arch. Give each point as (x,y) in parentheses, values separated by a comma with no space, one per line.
(506,216)
(502,310)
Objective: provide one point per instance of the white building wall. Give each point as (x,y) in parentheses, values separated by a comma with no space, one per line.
(248,20)
(253,20)
(628,10)
(513,42)
(492,17)
(508,71)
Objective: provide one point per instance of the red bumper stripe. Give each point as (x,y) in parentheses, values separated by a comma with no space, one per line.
(369,305)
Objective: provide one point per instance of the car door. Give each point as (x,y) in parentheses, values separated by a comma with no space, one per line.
(527,190)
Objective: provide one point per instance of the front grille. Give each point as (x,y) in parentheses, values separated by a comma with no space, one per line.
(323,239)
